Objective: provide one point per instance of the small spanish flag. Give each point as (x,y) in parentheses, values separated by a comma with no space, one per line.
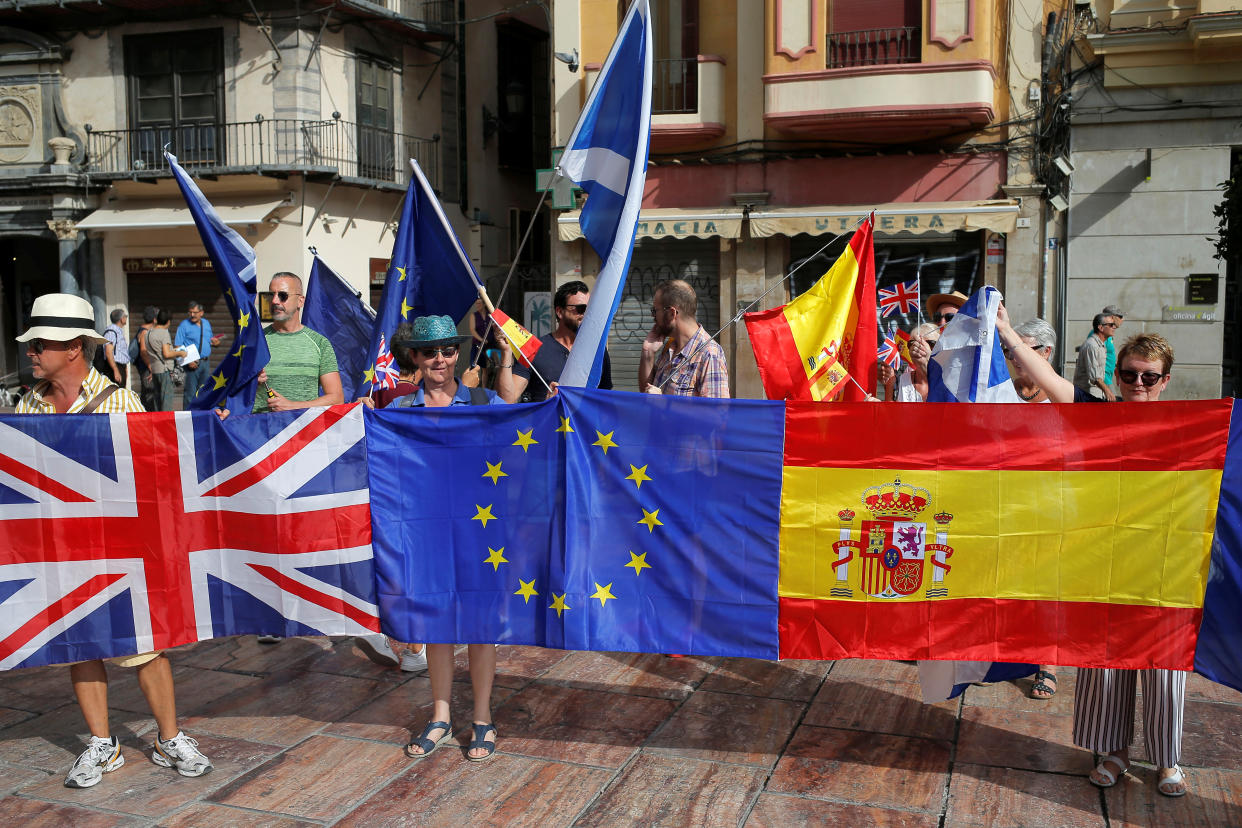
(903,346)
(526,343)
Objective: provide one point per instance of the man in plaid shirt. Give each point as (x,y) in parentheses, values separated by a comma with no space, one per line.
(61,344)
(678,355)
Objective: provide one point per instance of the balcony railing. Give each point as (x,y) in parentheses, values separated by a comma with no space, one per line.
(437,12)
(874,47)
(348,149)
(675,86)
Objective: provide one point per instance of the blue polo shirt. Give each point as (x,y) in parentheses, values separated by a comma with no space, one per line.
(189,334)
(462,397)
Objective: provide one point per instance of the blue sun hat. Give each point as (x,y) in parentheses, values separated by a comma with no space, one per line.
(432,331)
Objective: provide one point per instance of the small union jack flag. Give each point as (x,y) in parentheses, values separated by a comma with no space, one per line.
(889,352)
(902,297)
(122,534)
(386,371)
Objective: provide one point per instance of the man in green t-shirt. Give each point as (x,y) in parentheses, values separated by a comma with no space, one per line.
(302,360)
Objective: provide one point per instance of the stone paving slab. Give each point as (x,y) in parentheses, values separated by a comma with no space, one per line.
(307,732)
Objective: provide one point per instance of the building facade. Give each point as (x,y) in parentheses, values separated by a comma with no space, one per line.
(297,120)
(1155,126)
(777,126)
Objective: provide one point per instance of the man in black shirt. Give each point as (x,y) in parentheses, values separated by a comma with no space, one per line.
(569,305)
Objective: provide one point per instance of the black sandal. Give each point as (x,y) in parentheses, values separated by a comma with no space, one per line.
(480,742)
(427,744)
(1041,684)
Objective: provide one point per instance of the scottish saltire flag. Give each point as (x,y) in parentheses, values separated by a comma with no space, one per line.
(902,297)
(967,364)
(607,156)
(429,273)
(335,309)
(1219,652)
(594,520)
(234,382)
(122,533)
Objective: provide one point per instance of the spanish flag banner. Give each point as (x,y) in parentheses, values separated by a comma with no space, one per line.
(1073,535)
(832,324)
(525,343)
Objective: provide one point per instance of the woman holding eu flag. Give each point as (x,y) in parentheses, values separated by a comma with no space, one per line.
(435,346)
(1104,698)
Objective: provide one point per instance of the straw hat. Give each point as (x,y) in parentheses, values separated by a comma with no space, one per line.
(61,317)
(956,299)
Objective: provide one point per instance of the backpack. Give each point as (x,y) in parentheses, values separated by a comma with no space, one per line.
(133,351)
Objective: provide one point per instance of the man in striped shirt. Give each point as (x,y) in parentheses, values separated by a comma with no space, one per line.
(61,344)
(679,357)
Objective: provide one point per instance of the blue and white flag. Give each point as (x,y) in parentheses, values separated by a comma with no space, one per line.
(607,157)
(968,364)
(235,381)
(429,273)
(336,310)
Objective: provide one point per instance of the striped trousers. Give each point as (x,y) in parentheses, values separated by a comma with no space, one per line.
(1104,711)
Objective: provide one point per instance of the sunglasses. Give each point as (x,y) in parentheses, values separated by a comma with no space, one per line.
(1129,377)
(446,350)
(283,295)
(943,318)
(655,312)
(38,346)
(579,309)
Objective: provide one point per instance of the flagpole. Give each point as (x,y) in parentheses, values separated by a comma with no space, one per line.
(762,296)
(491,323)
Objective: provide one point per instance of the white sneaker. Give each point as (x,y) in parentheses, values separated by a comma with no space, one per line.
(270,639)
(412,662)
(101,756)
(377,648)
(180,752)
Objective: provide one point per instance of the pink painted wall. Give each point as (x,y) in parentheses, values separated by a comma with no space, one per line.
(831,181)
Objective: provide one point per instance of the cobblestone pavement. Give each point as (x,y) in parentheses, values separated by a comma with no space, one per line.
(307,732)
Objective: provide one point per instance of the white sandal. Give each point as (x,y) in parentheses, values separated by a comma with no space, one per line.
(1176,778)
(1103,770)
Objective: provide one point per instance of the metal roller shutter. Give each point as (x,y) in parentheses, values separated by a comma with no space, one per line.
(174,290)
(697,261)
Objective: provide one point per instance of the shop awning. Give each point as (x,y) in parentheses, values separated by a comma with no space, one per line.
(138,214)
(937,217)
(678,223)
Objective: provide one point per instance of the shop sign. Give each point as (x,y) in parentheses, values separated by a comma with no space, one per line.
(157,264)
(687,228)
(1187,313)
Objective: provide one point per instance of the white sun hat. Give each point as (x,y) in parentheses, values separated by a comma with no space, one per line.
(61,317)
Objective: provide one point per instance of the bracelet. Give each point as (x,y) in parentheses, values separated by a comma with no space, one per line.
(506,365)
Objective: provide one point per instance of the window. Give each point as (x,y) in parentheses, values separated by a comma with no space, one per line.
(675,28)
(873,32)
(176,96)
(376,146)
(523,105)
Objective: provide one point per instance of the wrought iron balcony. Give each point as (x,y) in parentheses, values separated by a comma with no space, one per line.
(675,85)
(330,147)
(874,47)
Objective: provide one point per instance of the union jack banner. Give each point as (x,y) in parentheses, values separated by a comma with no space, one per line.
(126,533)
(902,297)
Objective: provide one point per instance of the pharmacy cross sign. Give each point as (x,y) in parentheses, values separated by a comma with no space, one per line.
(561,187)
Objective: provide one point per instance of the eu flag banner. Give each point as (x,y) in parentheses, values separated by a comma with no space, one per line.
(429,273)
(1219,652)
(594,520)
(607,156)
(336,310)
(233,384)
(122,534)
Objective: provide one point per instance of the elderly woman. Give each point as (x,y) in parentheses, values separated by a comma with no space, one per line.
(911,386)
(1104,698)
(435,346)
